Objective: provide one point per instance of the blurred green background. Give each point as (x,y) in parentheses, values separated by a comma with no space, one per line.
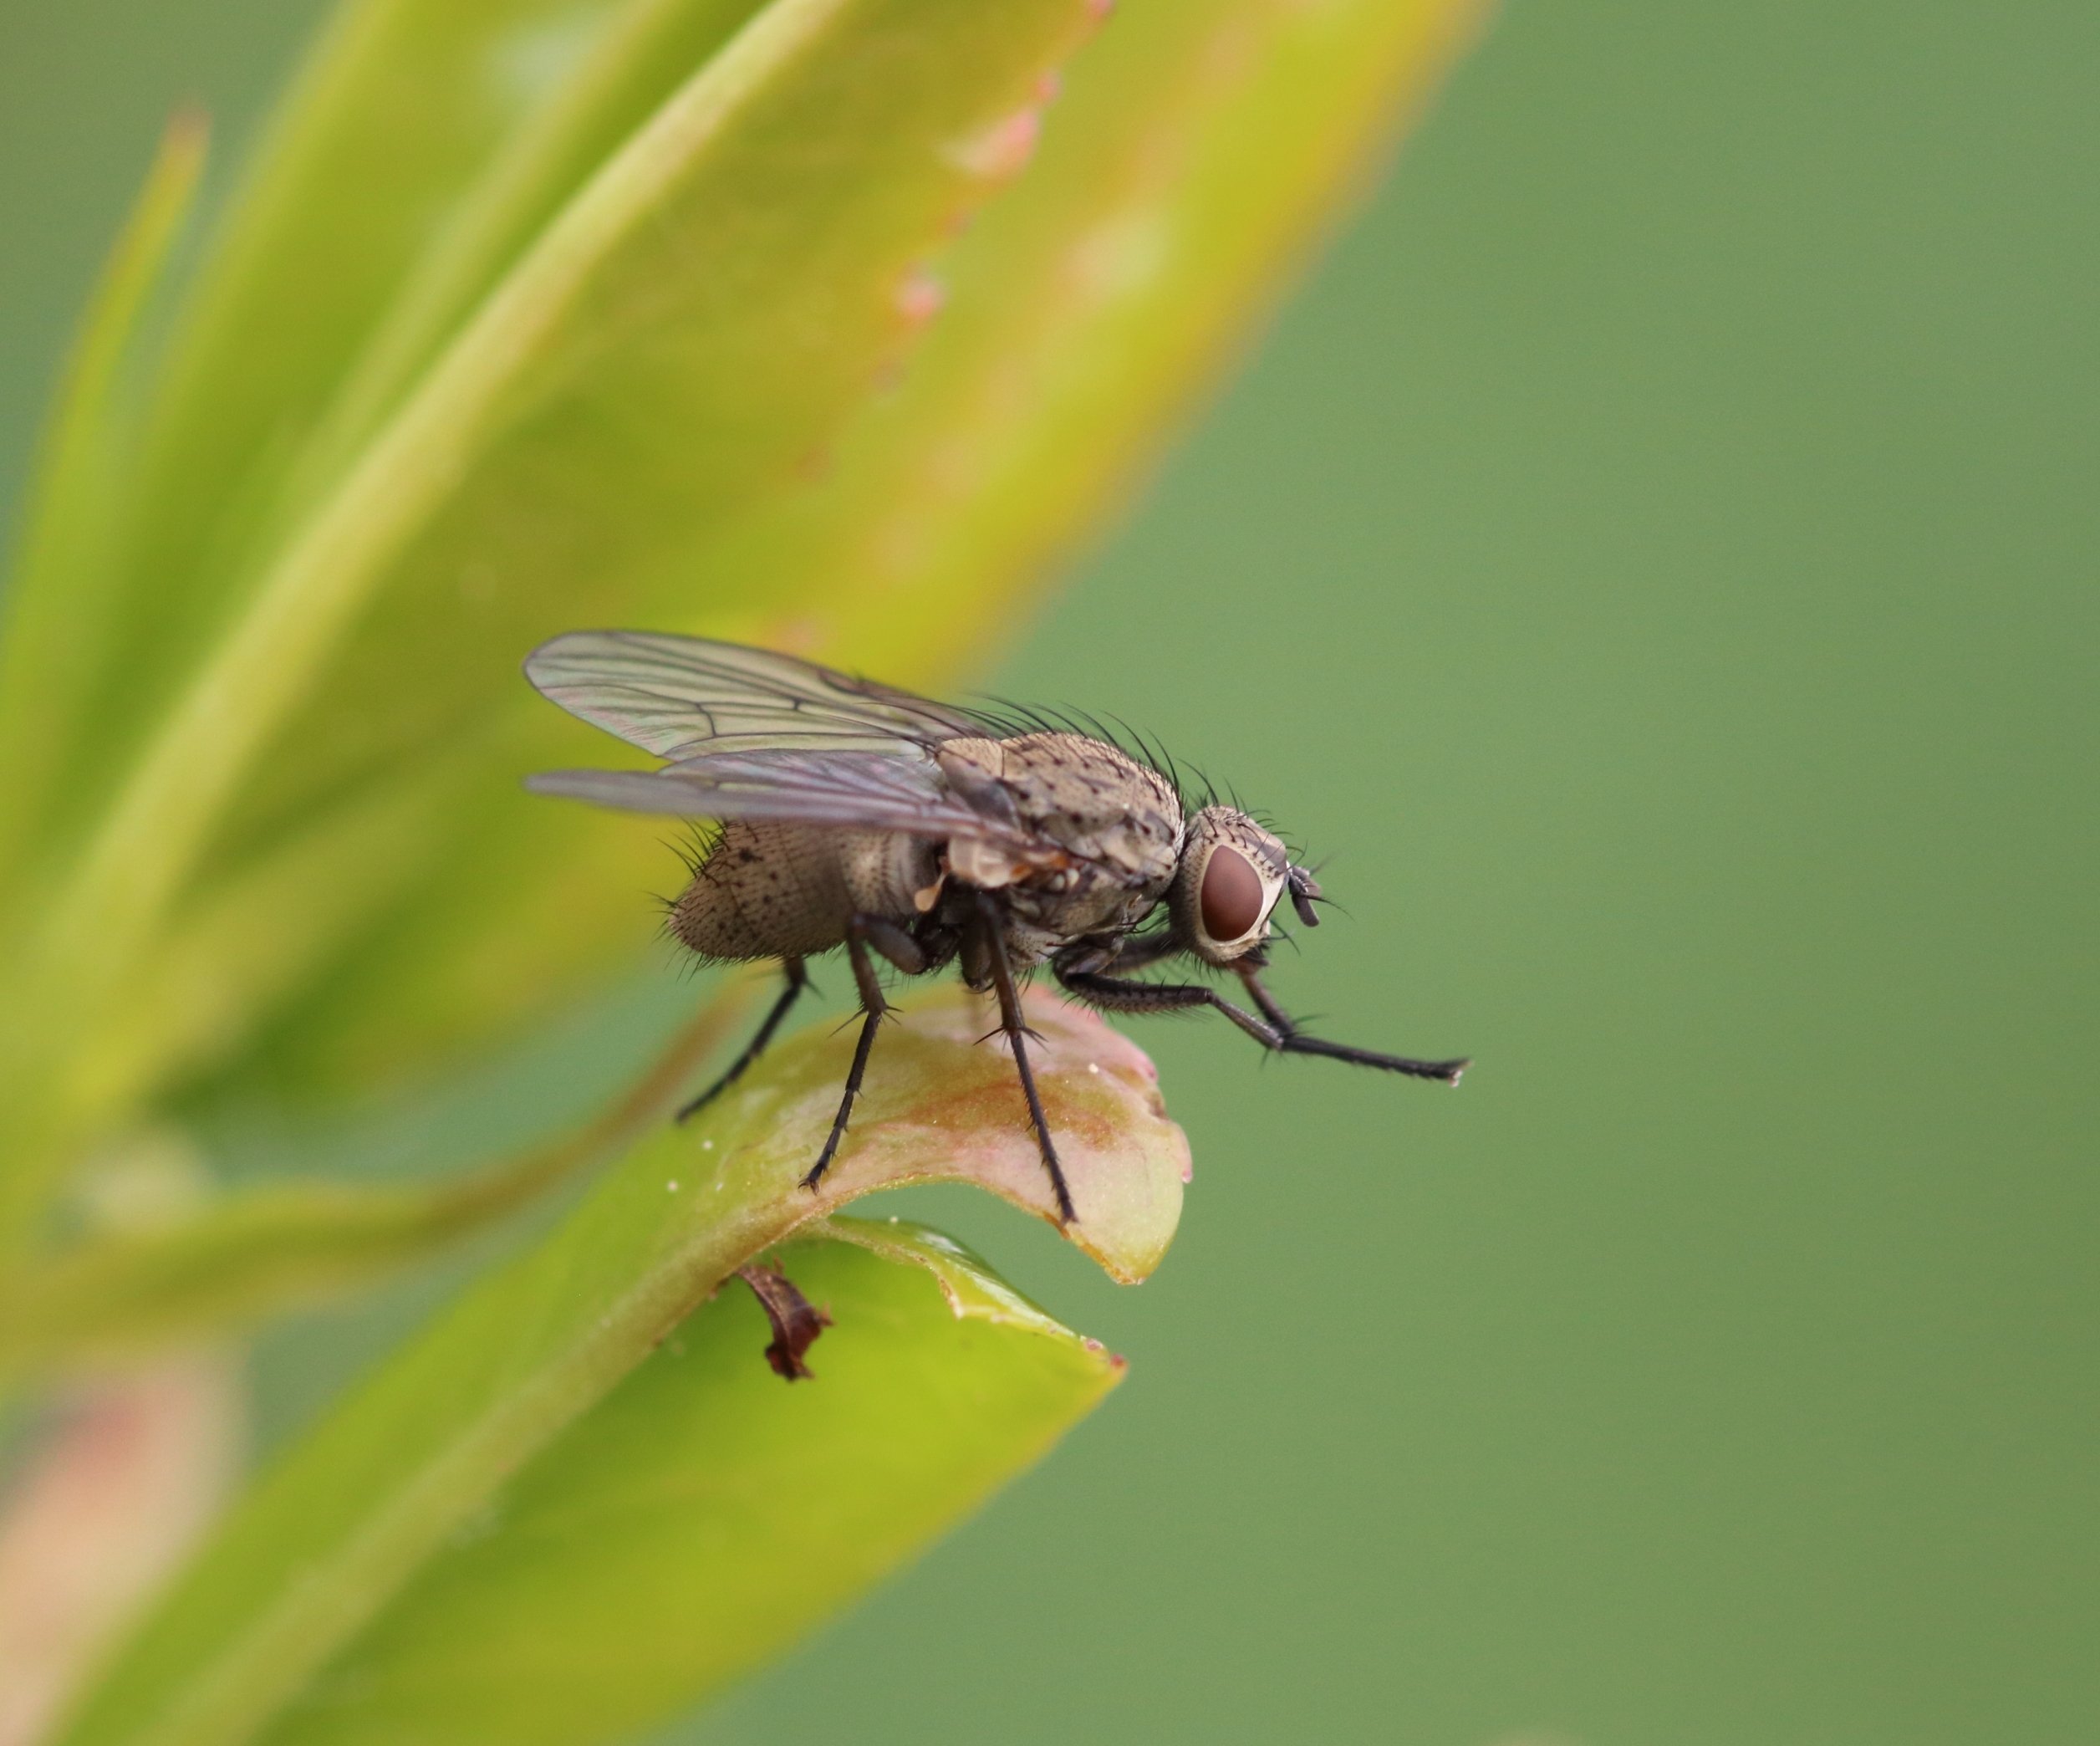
(1655,561)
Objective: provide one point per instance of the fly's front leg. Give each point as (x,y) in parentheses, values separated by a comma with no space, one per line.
(1275,1030)
(1119,954)
(1294,1041)
(1011,1022)
(797,980)
(1112,994)
(1272,1008)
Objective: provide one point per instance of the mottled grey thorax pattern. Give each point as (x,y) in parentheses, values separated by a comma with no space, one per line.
(1121,822)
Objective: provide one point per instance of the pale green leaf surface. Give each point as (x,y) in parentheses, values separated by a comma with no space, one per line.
(705,1514)
(57,606)
(646,49)
(411,161)
(212,1265)
(1199,149)
(375,149)
(326,1543)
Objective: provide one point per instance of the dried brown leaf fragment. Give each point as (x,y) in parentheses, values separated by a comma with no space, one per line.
(796,1322)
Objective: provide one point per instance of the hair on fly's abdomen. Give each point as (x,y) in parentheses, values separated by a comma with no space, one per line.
(692,846)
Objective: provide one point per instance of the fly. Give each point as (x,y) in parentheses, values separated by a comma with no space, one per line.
(852,813)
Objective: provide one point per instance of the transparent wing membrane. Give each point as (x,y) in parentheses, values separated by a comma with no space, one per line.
(872,790)
(682,697)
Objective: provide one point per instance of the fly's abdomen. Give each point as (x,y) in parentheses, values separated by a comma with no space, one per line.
(786,890)
(765,891)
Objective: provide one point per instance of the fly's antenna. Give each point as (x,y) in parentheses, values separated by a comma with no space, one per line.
(1305,894)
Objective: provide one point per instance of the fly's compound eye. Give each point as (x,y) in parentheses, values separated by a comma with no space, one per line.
(1233,899)
(1231,874)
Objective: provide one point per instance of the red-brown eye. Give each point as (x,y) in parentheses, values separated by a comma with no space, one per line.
(1231,896)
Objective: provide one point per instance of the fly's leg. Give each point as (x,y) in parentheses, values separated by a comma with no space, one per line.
(1132,952)
(1296,1042)
(1276,1030)
(1011,1022)
(862,1050)
(797,980)
(893,942)
(897,946)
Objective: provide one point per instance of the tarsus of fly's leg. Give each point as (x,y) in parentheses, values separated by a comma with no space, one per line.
(797,981)
(897,946)
(1017,1031)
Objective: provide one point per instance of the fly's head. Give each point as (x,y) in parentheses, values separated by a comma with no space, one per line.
(1231,875)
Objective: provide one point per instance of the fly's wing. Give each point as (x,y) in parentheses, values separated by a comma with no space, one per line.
(870,790)
(686,696)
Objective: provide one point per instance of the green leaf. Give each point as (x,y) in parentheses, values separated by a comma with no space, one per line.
(694,322)
(1200,149)
(412,162)
(645,49)
(59,606)
(350,1526)
(141,1284)
(705,1516)
(408,125)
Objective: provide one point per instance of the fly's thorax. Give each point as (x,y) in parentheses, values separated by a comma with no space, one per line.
(1087,797)
(1231,874)
(1116,826)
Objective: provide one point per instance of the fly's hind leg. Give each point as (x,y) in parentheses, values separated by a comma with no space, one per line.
(897,946)
(797,980)
(1012,1023)
(862,1050)
(893,942)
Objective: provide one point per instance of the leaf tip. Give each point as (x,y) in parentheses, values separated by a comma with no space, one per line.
(937,1106)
